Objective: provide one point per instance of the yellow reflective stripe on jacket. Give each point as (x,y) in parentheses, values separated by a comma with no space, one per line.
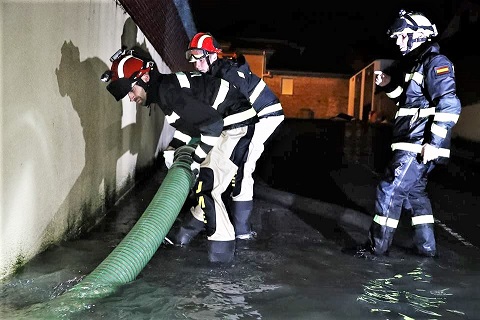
(222,93)
(270,109)
(182,136)
(183,80)
(209,140)
(239,117)
(172,118)
(438,131)
(200,153)
(416,76)
(256,92)
(395,93)
(446,117)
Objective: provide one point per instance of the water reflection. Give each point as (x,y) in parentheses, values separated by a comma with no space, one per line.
(413,295)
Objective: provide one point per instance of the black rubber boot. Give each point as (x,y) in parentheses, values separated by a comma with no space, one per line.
(424,240)
(380,238)
(221,251)
(241,212)
(189,230)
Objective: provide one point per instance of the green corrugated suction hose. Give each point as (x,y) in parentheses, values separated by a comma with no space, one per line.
(138,247)
(132,254)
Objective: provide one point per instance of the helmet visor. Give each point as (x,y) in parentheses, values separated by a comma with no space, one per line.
(120,88)
(397,27)
(193,55)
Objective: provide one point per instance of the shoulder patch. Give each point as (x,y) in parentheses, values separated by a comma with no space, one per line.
(439,71)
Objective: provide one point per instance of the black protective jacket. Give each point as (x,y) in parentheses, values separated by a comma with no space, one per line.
(423,87)
(237,71)
(199,105)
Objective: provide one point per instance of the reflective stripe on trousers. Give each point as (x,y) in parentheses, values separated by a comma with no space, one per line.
(403,186)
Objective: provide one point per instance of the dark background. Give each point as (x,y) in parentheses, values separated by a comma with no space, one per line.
(324,36)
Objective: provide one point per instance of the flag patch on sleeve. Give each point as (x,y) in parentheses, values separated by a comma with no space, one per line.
(442,70)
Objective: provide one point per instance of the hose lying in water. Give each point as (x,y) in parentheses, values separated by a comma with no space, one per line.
(132,254)
(138,247)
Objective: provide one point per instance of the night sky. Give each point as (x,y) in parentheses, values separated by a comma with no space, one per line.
(336,36)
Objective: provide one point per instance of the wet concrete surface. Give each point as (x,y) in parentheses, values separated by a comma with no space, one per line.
(347,176)
(296,268)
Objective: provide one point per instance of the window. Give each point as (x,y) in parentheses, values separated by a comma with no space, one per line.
(287,86)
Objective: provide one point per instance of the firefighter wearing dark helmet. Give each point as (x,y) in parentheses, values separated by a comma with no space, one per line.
(196,105)
(422,84)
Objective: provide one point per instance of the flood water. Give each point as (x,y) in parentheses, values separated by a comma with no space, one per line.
(293,270)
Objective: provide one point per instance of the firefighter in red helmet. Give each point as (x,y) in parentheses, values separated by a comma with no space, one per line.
(203,53)
(196,105)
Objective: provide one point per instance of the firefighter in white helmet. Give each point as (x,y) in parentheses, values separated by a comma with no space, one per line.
(422,84)
(197,105)
(203,53)
(411,30)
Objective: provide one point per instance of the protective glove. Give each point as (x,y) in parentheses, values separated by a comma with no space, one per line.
(195,167)
(429,152)
(382,79)
(168,156)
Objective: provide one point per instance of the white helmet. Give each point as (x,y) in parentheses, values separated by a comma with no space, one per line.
(409,23)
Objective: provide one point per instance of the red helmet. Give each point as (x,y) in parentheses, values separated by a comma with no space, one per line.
(128,66)
(126,71)
(201,41)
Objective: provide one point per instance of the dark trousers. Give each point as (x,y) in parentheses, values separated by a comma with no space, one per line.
(403,186)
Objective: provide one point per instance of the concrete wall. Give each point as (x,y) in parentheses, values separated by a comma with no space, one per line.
(68,150)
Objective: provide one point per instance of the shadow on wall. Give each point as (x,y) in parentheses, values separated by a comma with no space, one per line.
(95,189)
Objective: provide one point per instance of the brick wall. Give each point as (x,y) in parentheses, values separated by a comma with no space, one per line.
(321,95)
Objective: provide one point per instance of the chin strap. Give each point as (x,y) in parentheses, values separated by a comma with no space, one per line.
(208,61)
(411,41)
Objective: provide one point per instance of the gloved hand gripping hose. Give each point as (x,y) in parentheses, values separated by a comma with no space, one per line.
(183,158)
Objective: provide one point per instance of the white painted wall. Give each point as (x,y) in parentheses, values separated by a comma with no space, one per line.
(67,148)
